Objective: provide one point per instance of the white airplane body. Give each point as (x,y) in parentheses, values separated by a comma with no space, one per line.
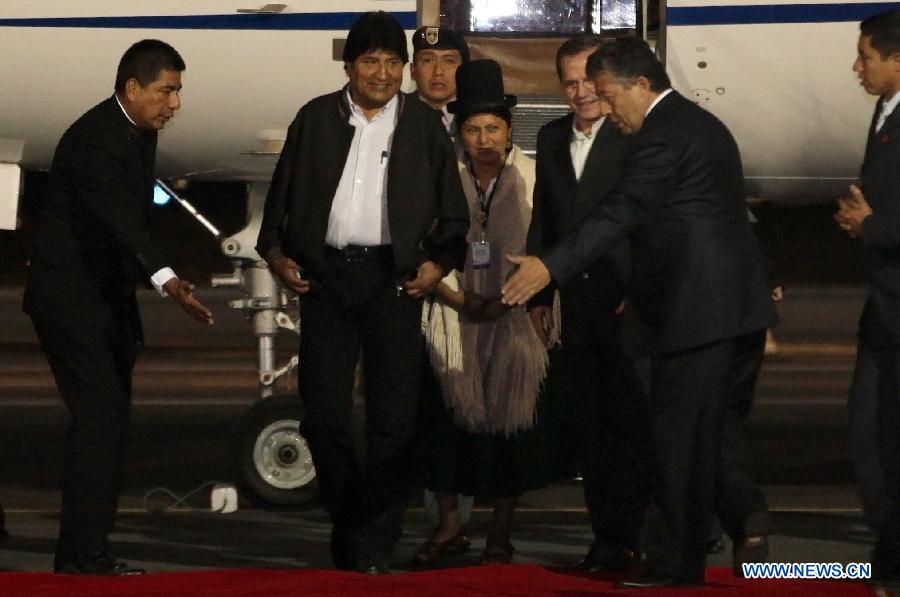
(777,74)
(246,73)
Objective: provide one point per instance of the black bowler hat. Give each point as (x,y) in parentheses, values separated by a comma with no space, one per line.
(440,38)
(479,88)
(375,30)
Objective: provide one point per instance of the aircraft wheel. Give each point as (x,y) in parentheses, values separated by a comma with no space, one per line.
(274,464)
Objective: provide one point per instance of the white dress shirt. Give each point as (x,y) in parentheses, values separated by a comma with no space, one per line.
(657,100)
(580,145)
(887,109)
(359,210)
(167,273)
(446,117)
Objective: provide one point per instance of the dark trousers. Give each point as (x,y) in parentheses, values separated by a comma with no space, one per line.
(358,308)
(872,372)
(739,496)
(688,393)
(610,417)
(875,431)
(92,357)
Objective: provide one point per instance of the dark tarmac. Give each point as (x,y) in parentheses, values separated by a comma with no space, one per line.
(193,384)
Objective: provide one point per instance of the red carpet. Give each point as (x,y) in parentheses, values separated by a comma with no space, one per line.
(482,581)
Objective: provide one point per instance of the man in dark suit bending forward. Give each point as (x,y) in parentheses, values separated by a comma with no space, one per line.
(91,249)
(697,281)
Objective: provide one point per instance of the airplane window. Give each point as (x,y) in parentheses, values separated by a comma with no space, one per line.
(547,17)
(611,15)
(550,17)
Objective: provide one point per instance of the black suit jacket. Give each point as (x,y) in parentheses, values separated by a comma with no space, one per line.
(427,211)
(91,246)
(880,321)
(561,202)
(697,273)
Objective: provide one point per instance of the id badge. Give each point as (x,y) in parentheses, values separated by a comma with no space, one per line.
(481,254)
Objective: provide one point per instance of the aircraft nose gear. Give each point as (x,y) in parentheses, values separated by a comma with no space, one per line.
(273,460)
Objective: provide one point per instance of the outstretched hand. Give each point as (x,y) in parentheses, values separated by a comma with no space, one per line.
(182,292)
(531,277)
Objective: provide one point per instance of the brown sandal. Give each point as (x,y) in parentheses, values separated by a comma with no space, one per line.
(431,551)
(497,552)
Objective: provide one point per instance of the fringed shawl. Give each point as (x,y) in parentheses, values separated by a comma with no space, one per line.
(491,373)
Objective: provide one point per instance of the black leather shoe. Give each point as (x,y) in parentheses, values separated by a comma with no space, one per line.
(343,549)
(885,588)
(650,581)
(754,546)
(715,546)
(101,566)
(373,564)
(601,558)
(4,535)
(750,550)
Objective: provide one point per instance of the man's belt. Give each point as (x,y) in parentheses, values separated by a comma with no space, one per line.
(360,252)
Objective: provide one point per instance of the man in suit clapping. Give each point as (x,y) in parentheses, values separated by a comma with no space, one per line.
(871,213)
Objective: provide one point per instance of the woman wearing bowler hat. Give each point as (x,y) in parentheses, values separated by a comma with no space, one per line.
(480,406)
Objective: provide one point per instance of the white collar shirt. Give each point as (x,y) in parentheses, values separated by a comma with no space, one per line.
(158,279)
(359,209)
(887,108)
(580,145)
(121,107)
(658,99)
(446,117)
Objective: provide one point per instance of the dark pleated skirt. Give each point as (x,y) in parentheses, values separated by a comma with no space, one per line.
(457,461)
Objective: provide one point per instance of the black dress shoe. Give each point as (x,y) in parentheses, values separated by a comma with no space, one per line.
(650,581)
(754,546)
(601,558)
(885,588)
(373,563)
(343,549)
(497,551)
(101,566)
(4,535)
(749,550)
(715,546)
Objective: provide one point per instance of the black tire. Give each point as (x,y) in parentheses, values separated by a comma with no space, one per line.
(273,464)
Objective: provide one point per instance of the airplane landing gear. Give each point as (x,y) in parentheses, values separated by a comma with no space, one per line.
(272,462)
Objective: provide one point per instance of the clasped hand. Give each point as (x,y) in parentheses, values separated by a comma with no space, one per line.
(481,309)
(289,272)
(853,210)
